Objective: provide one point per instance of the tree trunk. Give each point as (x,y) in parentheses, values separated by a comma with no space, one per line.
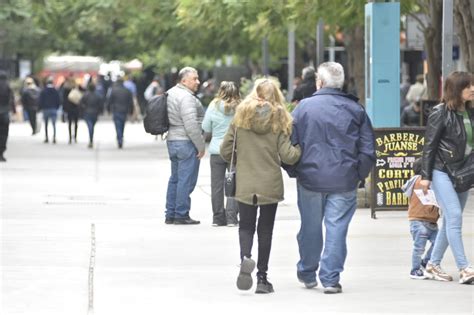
(465,29)
(432,34)
(355,59)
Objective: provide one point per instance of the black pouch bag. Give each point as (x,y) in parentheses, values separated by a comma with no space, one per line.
(462,174)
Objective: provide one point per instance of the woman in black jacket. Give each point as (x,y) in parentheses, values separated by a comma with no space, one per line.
(448,141)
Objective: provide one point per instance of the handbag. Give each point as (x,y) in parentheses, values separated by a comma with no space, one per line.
(75,96)
(462,175)
(229,181)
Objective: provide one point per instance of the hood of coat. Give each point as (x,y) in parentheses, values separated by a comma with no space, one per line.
(260,122)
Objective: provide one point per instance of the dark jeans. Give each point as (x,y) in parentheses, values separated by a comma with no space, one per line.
(119,121)
(4,126)
(72,117)
(221,215)
(266,220)
(32,118)
(90,121)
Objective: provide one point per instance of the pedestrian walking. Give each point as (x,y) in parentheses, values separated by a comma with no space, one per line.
(261,129)
(307,86)
(449,141)
(49,103)
(216,122)
(338,152)
(7,104)
(30,101)
(120,103)
(71,96)
(423,224)
(92,105)
(185,146)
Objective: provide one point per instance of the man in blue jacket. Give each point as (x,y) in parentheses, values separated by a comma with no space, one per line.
(338,151)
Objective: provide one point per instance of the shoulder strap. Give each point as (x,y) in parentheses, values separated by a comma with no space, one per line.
(233,150)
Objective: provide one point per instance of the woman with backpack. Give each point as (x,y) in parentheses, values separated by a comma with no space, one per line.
(216,122)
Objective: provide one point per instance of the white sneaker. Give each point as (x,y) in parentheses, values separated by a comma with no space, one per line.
(467,275)
(437,273)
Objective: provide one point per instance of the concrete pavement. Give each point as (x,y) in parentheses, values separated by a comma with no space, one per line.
(52,194)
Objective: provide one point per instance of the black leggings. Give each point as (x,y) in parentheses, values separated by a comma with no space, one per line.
(72,118)
(266,220)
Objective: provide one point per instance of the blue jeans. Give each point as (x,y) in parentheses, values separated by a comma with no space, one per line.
(50,114)
(421,232)
(184,174)
(90,121)
(119,121)
(452,205)
(336,209)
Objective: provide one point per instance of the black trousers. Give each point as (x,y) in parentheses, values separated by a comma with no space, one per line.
(32,118)
(72,117)
(266,220)
(4,126)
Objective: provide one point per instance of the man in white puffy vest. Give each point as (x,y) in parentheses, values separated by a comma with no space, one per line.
(185,144)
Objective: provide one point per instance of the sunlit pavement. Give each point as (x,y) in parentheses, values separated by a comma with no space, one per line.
(52,196)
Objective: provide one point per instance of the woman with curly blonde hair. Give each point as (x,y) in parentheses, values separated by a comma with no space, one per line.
(262,128)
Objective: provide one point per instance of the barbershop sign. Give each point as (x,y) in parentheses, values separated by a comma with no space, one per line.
(396,149)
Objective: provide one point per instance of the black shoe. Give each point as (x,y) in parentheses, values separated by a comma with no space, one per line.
(54,140)
(263,285)
(169,220)
(46,140)
(186,221)
(2,158)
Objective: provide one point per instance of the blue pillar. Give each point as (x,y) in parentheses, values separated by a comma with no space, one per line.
(382,63)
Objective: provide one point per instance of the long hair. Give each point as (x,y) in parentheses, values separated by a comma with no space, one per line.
(229,94)
(455,83)
(265,92)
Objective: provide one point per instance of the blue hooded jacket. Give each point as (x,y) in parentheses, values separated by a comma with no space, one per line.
(336,139)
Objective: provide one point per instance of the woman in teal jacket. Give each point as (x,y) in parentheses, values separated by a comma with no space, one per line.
(216,122)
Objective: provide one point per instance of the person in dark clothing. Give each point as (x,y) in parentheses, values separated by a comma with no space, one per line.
(49,103)
(92,105)
(119,103)
(307,87)
(70,106)
(411,115)
(30,100)
(7,103)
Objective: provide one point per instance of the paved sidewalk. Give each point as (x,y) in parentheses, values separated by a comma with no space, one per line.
(51,195)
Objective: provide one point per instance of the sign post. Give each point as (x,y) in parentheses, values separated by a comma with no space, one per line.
(396,149)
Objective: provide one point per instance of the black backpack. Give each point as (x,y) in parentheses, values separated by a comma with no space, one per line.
(156,115)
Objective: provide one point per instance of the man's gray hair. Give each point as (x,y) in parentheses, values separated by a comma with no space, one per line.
(308,73)
(331,74)
(184,72)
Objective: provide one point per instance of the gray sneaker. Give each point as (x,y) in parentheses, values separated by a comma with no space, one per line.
(337,288)
(244,280)
(309,285)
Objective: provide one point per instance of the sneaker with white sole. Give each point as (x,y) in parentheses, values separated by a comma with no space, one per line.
(334,289)
(437,273)
(244,280)
(417,274)
(309,285)
(467,275)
